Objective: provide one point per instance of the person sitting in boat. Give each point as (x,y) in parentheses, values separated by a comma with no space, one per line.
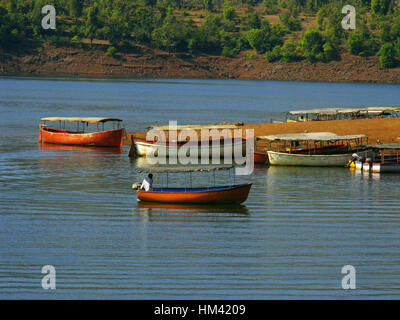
(355,157)
(147,183)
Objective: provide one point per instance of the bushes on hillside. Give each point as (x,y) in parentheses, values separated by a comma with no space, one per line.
(387,54)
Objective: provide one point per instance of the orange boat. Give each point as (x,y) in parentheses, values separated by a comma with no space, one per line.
(235,193)
(224,194)
(112,137)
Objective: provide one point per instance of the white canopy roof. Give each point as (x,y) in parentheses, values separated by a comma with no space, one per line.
(315,136)
(72,119)
(343,110)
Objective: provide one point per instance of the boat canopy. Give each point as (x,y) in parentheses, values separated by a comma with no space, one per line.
(333,111)
(312,136)
(392,146)
(71,119)
(159,168)
(195,127)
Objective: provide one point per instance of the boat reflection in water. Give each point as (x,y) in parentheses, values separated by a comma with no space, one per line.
(61,147)
(177,211)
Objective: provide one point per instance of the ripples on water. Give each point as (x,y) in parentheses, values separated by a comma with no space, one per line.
(74,208)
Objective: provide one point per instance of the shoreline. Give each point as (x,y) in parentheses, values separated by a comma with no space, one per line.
(378,130)
(155,64)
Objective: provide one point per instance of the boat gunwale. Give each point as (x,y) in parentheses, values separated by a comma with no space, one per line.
(190,190)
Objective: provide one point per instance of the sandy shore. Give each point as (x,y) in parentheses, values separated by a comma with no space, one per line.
(378,130)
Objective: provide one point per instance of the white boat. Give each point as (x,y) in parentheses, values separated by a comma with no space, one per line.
(306,160)
(316,149)
(144,148)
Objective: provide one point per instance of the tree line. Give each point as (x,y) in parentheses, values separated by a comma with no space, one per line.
(222,28)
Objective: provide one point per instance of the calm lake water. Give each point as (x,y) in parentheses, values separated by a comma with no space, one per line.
(74,208)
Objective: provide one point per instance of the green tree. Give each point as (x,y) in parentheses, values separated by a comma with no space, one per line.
(289,51)
(92,23)
(5,27)
(208,5)
(229,13)
(289,21)
(380,6)
(387,55)
(397,47)
(172,35)
(362,43)
(312,45)
(330,51)
(76,7)
(259,40)
(274,55)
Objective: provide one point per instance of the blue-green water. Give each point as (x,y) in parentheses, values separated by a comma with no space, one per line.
(74,208)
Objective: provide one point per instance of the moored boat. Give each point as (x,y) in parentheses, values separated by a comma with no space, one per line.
(210,148)
(233,193)
(323,114)
(260,157)
(312,160)
(319,149)
(113,137)
(385,158)
(222,194)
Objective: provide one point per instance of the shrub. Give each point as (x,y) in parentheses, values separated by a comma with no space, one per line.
(290,21)
(289,52)
(397,47)
(311,44)
(258,40)
(361,43)
(274,55)
(380,6)
(330,51)
(111,51)
(387,54)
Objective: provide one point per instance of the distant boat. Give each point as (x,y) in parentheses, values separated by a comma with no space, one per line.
(319,149)
(323,114)
(77,136)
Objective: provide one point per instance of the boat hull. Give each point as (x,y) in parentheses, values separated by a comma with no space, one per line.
(385,168)
(260,157)
(155,149)
(111,138)
(227,194)
(290,159)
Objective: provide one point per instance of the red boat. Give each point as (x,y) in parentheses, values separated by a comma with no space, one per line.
(235,193)
(112,137)
(260,157)
(224,194)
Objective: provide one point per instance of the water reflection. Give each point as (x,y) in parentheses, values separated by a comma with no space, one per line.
(177,210)
(70,148)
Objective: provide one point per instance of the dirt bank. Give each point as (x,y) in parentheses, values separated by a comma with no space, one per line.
(150,63)
(378,130)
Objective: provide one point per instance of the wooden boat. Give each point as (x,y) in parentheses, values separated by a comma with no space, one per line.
(323,114)
(77,136)
(223,194)
(260,157)
(144,148)
(319,149)
(385,158)
(235,193)
(313,160)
